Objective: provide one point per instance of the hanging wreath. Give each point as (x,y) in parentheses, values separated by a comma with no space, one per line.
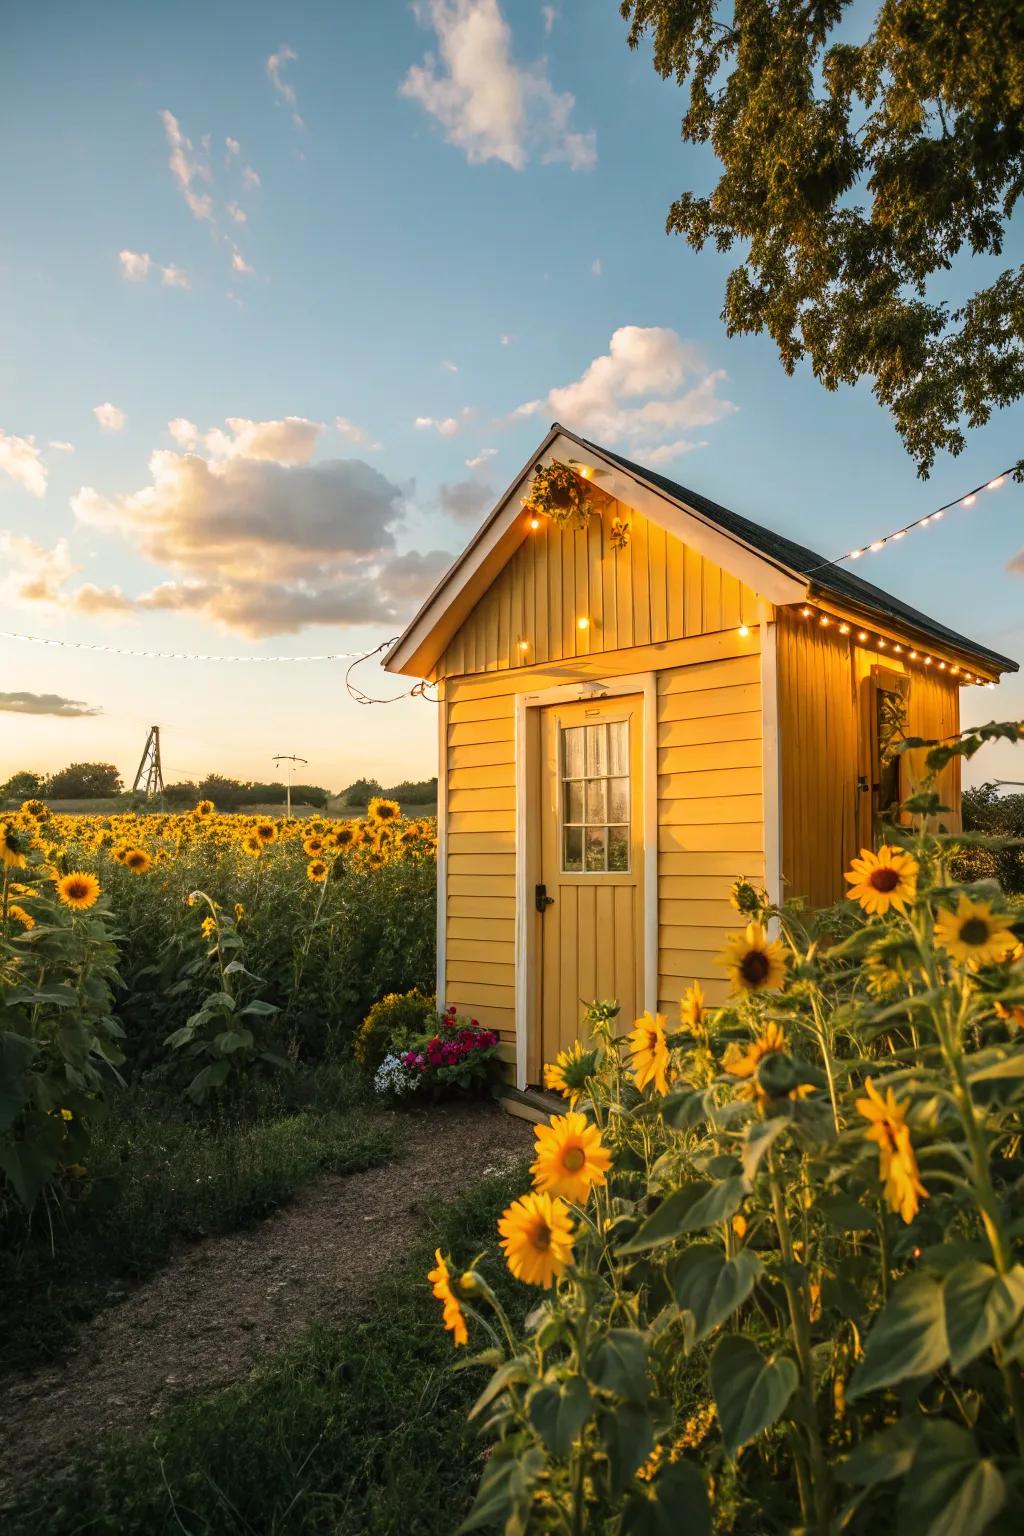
(559,493)
(619,536)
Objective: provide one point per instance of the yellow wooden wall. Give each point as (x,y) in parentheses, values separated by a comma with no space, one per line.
(821,679)
(654,590)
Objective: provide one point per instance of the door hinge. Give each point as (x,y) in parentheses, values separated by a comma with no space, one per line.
(542,900)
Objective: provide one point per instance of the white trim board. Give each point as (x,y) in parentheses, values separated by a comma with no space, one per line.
(645,684)
(772,767)
(442,847)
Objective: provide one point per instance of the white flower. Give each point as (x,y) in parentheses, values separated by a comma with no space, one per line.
(394,1078)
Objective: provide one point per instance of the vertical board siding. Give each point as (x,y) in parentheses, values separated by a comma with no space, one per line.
(822,712)
(652,591)
(710,812)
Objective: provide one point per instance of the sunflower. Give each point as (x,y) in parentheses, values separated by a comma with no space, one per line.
(38,809)
(897,1165)
(14,846)
(239,911)
(454,1318)
(743,1061)
(78,890)
(755,963)
(251,844)
(1011,1013)
(571,1157)
(20,915)
(691,1010)
(208,927)
(204,809)
(316,870)
(974,934)
(265,831)
(882,880)
(380,809)
(648,1052)
(569,1071)
(343,836)
(313,845)
(137,860)
(537,1236)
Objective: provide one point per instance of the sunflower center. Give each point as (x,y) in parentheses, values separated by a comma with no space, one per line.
(573,1159)
(884,879)
(542,1237)
(974,931)
(76,889)
(754,967)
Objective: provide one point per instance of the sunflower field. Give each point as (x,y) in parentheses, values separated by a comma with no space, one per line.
(201,949)
(777,1248)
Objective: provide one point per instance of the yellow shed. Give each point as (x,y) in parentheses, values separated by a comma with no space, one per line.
(635,712)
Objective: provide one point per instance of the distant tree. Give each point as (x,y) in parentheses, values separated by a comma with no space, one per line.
(21,786)
(310,794)
(985,810)
(84,781)
(183,793)
(225,793)
(257,793)
(361,792)
(853,172)
(415,792)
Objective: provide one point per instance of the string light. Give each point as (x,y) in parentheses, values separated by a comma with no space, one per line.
(583,623)
(920,522)
(880,643)
(117,650)
(534,522)
(524,645)
(743,631)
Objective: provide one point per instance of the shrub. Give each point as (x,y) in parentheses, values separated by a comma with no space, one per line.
(780,1244)
(392,1024)
(998,817)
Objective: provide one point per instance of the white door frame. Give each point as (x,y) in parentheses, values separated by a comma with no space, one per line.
(645,684)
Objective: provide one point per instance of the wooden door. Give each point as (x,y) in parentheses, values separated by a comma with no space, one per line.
(592,864)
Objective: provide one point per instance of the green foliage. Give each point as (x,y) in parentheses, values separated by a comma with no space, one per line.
(998,816)
(859,156)
(356,1432)
(59,1041)
(413,792)
(558,492)
(814,1241)
(392,1024)
(21,786)
(84,781)
(361,792)
(159,1175)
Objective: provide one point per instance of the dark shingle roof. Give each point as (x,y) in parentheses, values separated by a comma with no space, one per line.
(825,578)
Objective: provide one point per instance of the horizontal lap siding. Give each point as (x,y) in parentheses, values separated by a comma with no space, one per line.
(481,878)
(710,814)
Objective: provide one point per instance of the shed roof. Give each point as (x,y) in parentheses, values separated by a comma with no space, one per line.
(819,577)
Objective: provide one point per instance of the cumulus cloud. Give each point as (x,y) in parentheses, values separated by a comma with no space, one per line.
(488,105)
(356,434)
(250,178)
(447,427)
(33,572)
(466,500)
(187,167)
(284,91)
(45,704)
(239,263)
(59,446)
(136,267)
(110,417)
(481,458)
(647,389)
(21,459)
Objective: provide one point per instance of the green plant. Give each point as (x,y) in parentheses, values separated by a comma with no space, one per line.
(557,492)
(801,1280)
(59,1041)
(392,1024)
(224,1027)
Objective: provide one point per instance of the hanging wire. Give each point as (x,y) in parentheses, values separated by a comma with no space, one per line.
(117,650)
(966,500)
(417,691)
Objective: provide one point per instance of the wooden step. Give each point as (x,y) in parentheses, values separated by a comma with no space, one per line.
(531,1104)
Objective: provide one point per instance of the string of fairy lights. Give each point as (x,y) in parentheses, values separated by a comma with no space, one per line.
(967,500)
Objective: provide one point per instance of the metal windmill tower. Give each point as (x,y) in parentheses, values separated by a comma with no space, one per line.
(150,776)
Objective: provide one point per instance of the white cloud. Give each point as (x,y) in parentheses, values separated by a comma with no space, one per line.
(466,500)
(135,265)
(597,266)
(250,178)
(446,427)
(187,167)
(356,434)
(505,340)
(237,214)
(290,440)
(232,146)
(24,703)
(183,431)
(550,16)
(21,459)
(481,458)
(286,92)
(110,417)
(449,366)
(649,386)
(239,263)
(488,105)
(32,572)
(59,446)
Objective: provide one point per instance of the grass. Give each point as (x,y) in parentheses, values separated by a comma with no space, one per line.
(360,1432)
(157,1178)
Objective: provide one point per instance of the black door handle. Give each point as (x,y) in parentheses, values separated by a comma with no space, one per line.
(542,899)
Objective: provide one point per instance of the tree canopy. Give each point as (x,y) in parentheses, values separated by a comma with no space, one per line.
(84,781)
(855,172)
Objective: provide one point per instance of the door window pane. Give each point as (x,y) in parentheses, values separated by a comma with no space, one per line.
(594,799)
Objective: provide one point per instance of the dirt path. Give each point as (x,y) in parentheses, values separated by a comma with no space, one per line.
(222,1305)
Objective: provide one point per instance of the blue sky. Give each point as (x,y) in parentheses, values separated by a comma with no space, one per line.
(251,220)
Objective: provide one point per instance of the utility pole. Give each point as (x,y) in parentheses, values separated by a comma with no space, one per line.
(288,757)
(150,775)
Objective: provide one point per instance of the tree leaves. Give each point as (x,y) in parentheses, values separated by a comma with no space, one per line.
(907,1339)
(751,1392)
